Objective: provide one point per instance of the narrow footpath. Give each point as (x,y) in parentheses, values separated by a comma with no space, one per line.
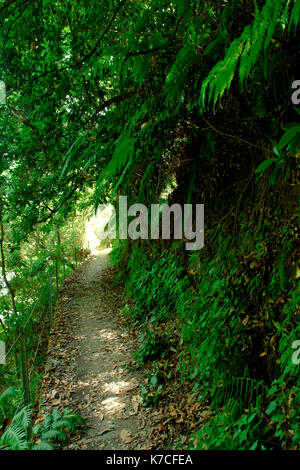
(89,363)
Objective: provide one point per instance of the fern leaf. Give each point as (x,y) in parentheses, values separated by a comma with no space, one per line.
(54,434)
(15,437)
(246,50)
(23,417)
(44,445)
(295,15)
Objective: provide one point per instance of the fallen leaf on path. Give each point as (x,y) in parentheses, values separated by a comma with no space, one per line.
(52,394)
(142,423)
(126,436)
(105,431)
(135,406)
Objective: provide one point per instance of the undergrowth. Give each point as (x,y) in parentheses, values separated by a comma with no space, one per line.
(233,339)
(18,433)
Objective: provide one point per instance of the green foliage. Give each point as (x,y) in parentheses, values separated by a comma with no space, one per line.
(246,50)
(109,98)
(14,437)
(242,390)
(150,392)
(154,282)
(52,430)
(291,138)
(41,254)
(227,432)
(9,399)
(212,298)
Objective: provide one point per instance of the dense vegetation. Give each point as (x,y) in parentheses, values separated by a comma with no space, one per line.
(186,102)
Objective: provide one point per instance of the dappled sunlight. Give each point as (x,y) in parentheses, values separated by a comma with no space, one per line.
(100,387)
(106,390)
(109,386)
(108,334)
(116,387)
(111,373)
(113,405)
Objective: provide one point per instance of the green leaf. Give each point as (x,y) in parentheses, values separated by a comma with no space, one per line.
(272,407)
(288,136)
(264,165)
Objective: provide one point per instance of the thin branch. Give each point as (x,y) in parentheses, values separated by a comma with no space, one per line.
(3,325)
(114,100)
(147,51)
(265,149)
(153,50)
(60,204)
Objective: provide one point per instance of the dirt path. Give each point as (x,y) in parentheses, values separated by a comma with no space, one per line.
(88,358)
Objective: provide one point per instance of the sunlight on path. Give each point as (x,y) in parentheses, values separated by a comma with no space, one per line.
(88,362)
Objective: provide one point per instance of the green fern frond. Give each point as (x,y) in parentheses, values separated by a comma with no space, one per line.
(220,77)
(55,415)
(124,152)
(242,389)
(47,422)
(54,425)
(69,421)
(295,15)
(54,434)
(273,16)
(61,423)
(44,445)
(246,50)
(23,418)
(37,429)
(14,437)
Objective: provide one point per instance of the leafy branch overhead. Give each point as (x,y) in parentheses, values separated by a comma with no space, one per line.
(250,47)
